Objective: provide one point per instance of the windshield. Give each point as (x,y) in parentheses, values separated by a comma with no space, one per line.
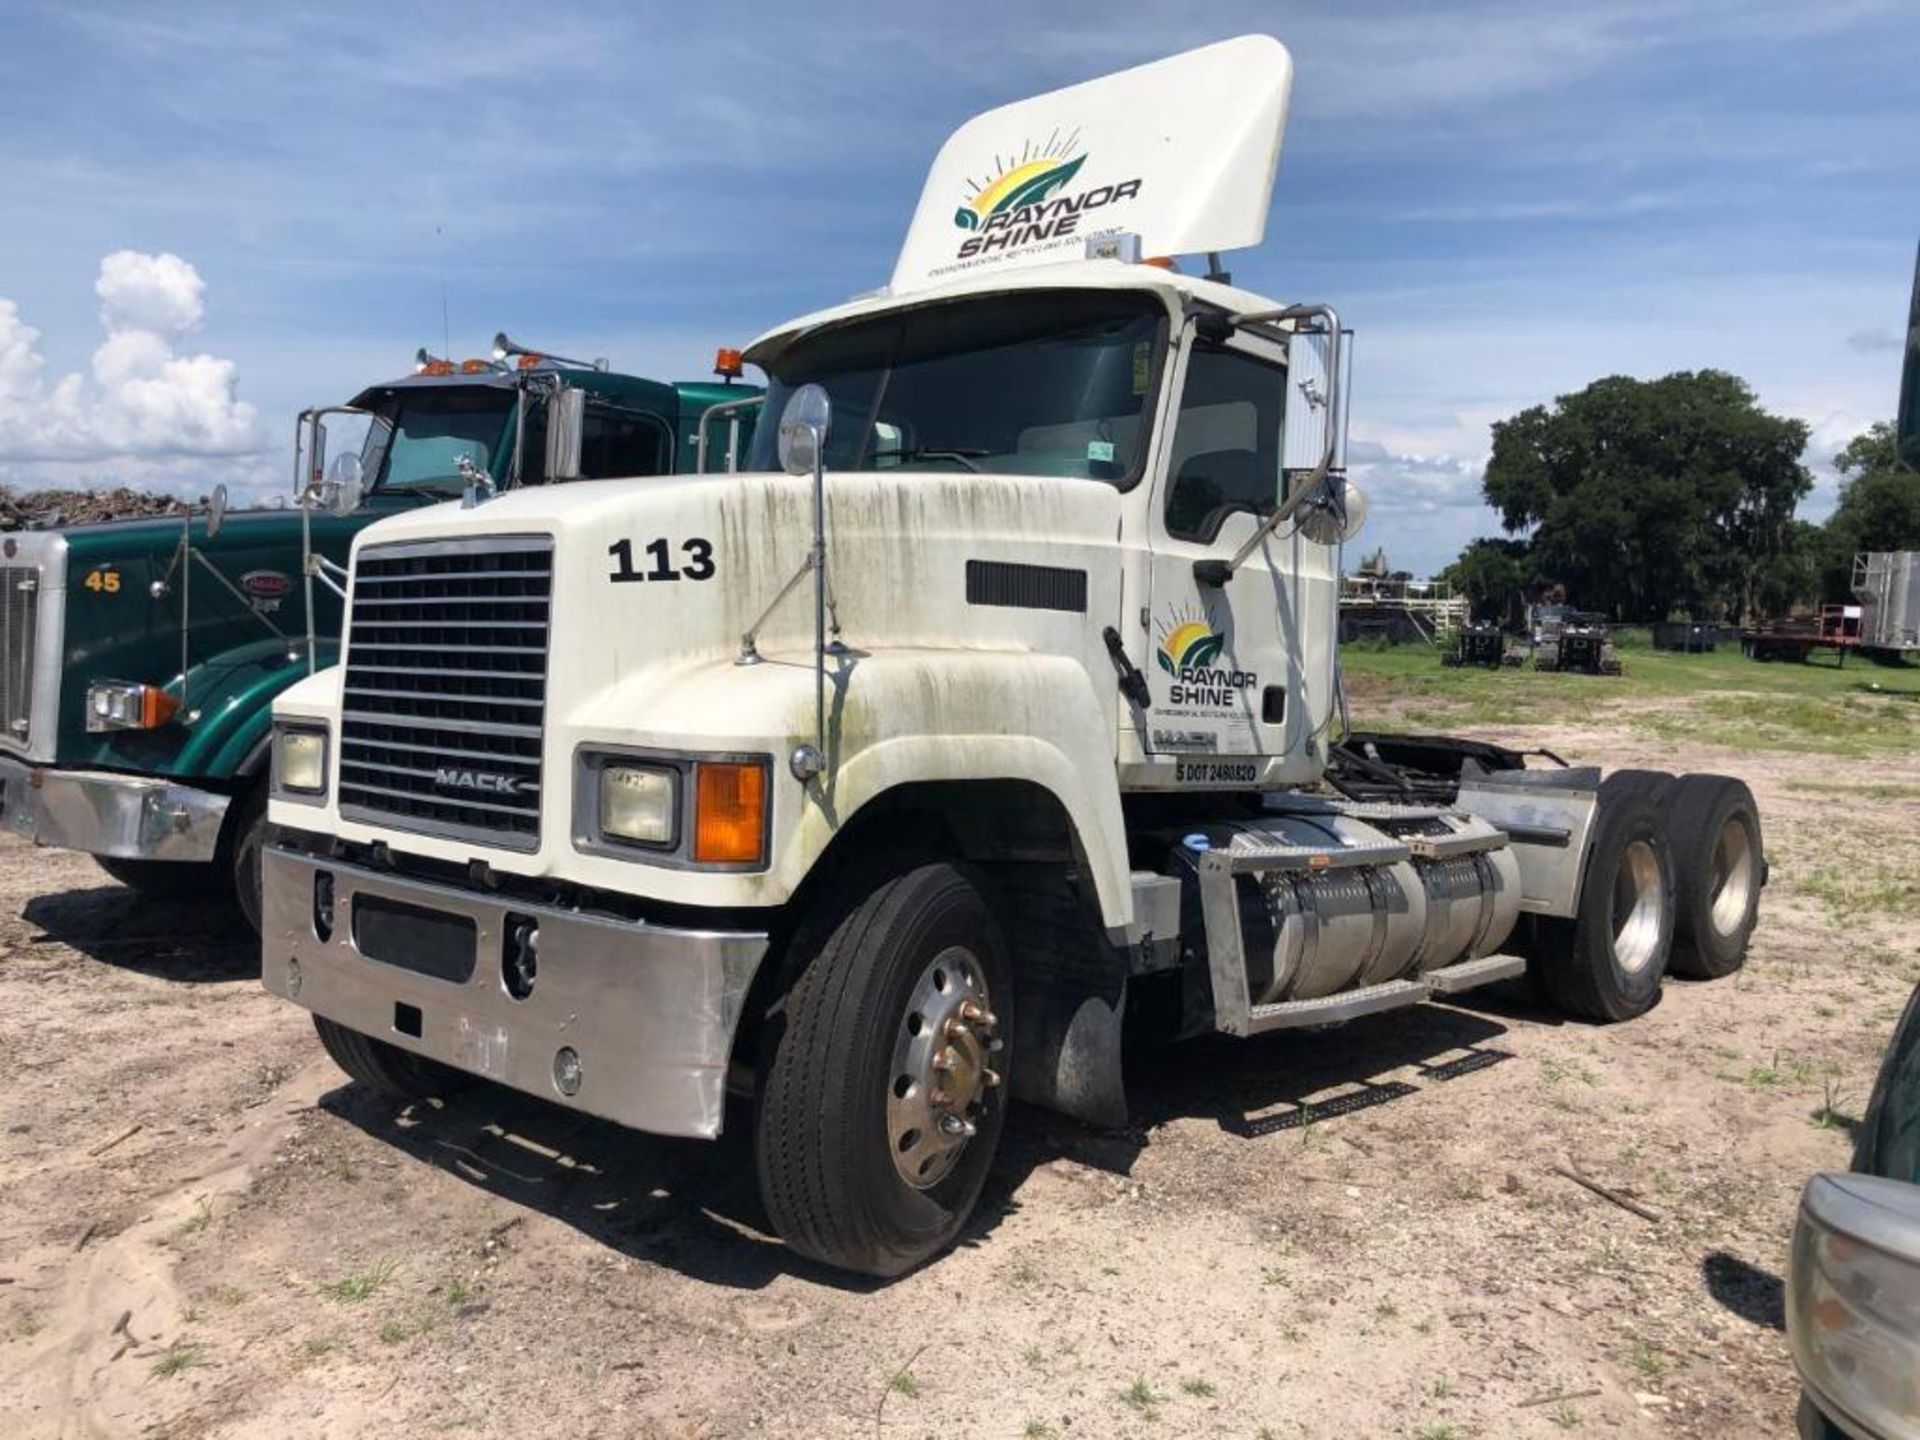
(1053,382)
(431,429)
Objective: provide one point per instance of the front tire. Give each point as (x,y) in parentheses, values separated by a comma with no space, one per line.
(387,1069)
(247,839)
(1606,963)
(880,1103)
(164,879)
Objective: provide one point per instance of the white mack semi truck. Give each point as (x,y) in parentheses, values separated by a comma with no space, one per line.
(988,711)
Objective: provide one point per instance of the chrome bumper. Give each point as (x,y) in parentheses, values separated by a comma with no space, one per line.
(650,1011)
(129,817)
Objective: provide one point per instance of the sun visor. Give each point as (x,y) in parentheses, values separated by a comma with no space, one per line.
(1180,152)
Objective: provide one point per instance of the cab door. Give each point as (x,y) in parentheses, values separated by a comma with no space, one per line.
(1232,669)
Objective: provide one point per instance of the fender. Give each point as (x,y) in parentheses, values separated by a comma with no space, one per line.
(231,695)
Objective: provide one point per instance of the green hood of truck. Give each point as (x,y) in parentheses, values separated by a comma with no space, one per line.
(223,629)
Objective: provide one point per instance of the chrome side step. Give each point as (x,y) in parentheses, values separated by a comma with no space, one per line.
(1347,1005)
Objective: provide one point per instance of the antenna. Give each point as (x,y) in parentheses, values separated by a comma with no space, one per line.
(446,335)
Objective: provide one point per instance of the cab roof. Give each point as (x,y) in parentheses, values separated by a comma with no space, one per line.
(1174,288)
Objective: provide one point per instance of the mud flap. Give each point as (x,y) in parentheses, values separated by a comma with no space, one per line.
(1067,1053)
(1070,990)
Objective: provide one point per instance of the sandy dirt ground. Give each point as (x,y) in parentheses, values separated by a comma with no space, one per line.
(205,1232)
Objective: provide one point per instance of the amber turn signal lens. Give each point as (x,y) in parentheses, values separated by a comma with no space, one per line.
(729,813)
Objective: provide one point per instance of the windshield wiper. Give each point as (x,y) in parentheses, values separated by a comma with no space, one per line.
(937,452)
(438,492)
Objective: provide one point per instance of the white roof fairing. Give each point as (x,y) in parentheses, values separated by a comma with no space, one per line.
(1181,152)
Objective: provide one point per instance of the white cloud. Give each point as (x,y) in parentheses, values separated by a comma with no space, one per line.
(142,399)
(158,293)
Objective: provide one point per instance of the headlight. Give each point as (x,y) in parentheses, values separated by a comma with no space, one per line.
(1853,1300)
(127,705)
(300,761)
(637,804)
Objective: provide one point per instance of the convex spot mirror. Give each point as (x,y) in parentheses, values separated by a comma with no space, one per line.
(1335,511)
(216,510)
(345,479)
(803,429)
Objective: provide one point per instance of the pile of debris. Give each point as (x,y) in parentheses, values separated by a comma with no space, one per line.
(51,509)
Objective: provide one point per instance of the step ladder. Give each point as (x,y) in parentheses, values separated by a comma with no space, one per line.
(1233,1010)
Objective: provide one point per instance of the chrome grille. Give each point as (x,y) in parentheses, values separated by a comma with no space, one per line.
(446,688)
(19,635)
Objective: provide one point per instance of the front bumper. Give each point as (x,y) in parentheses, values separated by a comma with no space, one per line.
(649,1010)
(128,817)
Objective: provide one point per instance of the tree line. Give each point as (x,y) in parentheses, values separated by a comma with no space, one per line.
(1653,499)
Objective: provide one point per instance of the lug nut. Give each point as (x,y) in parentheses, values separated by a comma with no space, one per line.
(945,1060)
(939,1097)
(954,1125)
(956,1030)
(973,1013)
(990,1078)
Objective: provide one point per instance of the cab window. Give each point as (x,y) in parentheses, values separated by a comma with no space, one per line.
(615,443)
(1226,443)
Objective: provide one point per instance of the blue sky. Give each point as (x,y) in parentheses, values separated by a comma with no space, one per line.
(1505,201)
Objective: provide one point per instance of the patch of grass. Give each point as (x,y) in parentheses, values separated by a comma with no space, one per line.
(1034,1357)
(1565,1416)
(314,1346)
(1863,889)
(1821,708)
(1829,1116)
(1198,1388)
(1879,791)
(1441,1389)
(360,1286)
(456,1293)
(1276,1275)
(1038,1430)
(1142,1398)
(178,1357)
(1386,1310)
(1439,1432)
(201,1218)
(1648,1362)
(903,1383)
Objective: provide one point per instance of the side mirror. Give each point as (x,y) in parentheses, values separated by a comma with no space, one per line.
(1907,420)
(216,510)
(345,478)
(803,430)
(1335,513)
(566,429)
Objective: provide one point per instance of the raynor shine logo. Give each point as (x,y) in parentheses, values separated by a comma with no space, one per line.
(1021,204)
(481,782)
(1189,646)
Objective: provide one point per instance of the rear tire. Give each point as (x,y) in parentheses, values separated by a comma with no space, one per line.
(385,1068)
(1719,867)
(856,1164)
(1605,964)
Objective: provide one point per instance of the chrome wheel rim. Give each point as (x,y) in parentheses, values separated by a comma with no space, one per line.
(1639,902)
(1731,878)
(937,1085)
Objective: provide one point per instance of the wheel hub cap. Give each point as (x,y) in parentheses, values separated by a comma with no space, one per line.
(1732,877)
(1639,899)
(941,1073)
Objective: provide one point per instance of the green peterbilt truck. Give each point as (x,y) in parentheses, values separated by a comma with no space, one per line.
(139,659)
